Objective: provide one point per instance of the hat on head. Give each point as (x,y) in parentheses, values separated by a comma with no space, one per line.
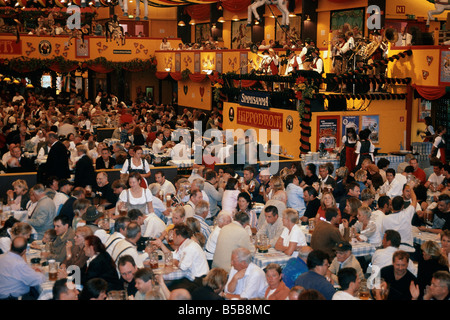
(343,246)
(91,214)
(64,182)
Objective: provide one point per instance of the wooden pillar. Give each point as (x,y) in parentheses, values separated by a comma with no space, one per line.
(409,115)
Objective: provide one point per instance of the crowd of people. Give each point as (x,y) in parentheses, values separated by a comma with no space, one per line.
(206,222)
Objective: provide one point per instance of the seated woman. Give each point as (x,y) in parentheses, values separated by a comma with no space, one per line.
(327,201)
(292,236)
(361,179)
(19,197)
(432,260)
(244,204)
(275,190)
(366,229)
(276,289)
(21,229)
(75,254)
(212,285)
(351,210)
(230,195)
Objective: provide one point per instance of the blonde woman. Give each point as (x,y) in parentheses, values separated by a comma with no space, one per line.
(22,229)
(275,190)
(75,252)
(327,201)
(19,197)
(432,260)
(366,229)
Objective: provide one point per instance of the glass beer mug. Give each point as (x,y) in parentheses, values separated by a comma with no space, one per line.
(263,243)
(52,270)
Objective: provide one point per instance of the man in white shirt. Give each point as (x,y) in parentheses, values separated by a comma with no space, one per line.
(246,280)
(127,246)
(167,187)
(151,225)
(65,188)
(400,220)
(189,256)
(158,205)
(120,229)
(377,216)
(157,144)
(223,218)
(436,177)
(349,281)
(194,198)
(180,151)
(383,257)
(394,183)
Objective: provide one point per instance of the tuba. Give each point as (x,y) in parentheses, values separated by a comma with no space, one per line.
(391,35)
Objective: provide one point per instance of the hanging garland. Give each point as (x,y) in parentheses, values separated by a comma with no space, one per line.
(304,91)
(185,74)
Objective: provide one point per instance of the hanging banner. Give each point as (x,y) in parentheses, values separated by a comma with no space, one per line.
(256,99)
(373,124)
(260,119)
(328,132)
(10,47)
(350,121)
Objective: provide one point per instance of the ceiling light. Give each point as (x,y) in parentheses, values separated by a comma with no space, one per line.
(192,22)
(235,18)
(181,23)
(221,20)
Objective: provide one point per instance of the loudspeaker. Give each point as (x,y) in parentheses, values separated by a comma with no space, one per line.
(337,103)
(331,85)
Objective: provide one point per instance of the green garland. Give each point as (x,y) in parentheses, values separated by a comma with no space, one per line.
(185,74)
(304,91)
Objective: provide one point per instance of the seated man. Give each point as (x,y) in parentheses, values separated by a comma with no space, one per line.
(383,257)
(64,233)
(349,282)
(189,256)
(436,178)
(246,280)
(441,215)
(105,161)
(326,235)
(273,226)
(16,275)
(398,277)
(296,266)
(344,259)
(418,172)
(439,288)
(127,269)
(315,277)
(144,282)
(295,196)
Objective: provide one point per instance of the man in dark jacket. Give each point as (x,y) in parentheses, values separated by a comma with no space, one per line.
(84,169)
(58,158)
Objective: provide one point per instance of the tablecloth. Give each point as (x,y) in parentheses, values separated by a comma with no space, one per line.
(420,237)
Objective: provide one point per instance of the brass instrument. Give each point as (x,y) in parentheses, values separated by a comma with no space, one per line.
(391,35)
(370,49)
